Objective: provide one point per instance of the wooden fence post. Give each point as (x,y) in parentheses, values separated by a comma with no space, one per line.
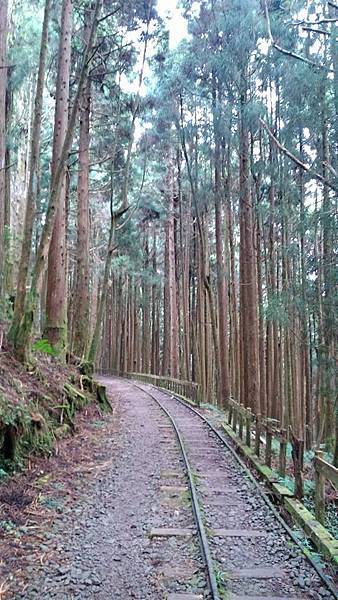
(199,394)
(234,420)
(240,419)
(268,446)
(282,453)
(248,428)
(319,489)
(258,435)
(297,456)
(230,414)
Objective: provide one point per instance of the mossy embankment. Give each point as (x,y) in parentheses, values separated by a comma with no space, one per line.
(38,406)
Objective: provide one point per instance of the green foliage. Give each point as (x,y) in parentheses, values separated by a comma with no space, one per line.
(288,482)
(13,414)
(276,310)
(8,526)
(69,409)
(45,347)
(27,21)
(3,474)
(222,580)
(51,503)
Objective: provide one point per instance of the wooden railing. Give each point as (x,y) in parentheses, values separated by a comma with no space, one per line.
(251,427)
(186,389)
(323,471)
(254,426)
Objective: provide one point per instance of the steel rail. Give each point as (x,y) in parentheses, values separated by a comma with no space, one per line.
(194,500)
(264,496)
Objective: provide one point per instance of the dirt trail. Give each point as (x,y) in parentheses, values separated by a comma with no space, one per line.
(128,480)
(101,544)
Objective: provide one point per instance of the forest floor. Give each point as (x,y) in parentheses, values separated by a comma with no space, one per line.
(37,407)
(53,436)
(44,380)
(77,526)
(31,501)
(74,526)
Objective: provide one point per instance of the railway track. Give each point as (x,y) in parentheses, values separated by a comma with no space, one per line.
(249,551)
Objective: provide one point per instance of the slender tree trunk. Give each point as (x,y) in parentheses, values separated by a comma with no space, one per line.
(329,323)
(80,329)
(166,307)
(33,167)
(154,312)
(173,334)
(201,317)
(222,294)
(101,303)
(137,353)
(305,366)
(262,359)
(222,350)
(235,336)
(3,87)
(146,324)
(56,302)
(22,341)
(249,308)
(131,326)
(185,252)
(8,241)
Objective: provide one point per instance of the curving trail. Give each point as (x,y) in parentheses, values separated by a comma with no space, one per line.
(133,533)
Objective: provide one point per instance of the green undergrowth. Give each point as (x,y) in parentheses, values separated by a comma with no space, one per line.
(222,580)
(32,430)
(331,516)
(308,454)
(33,426)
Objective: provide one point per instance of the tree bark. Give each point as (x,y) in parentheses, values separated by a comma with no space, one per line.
(146,296)
(101,303)
(249,308)
(56,301)
(82,299)
(22,341)
(3,87)
(222,349)
(33,168)
(173,332)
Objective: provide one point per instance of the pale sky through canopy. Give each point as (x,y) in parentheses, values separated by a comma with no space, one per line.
(176,23)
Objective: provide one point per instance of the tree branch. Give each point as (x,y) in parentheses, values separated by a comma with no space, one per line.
(330,167)
(134,209)
(322,31)
(111,14)
(318,22)
(290,53)
(296,160)
(117,214)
